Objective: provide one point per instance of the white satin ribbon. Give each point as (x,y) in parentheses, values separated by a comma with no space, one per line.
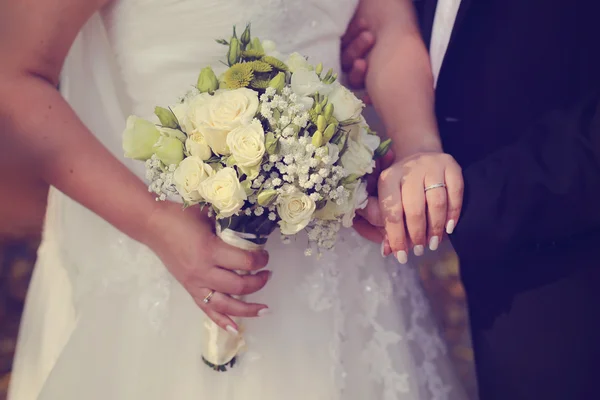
(219,347)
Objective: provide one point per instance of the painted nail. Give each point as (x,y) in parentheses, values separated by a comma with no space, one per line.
(450,227)
(383,249)
(263,312)
(419,250)
(402,257)
(232,330)
(434,242)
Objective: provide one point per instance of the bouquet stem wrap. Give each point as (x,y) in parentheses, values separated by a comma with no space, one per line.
(219,347)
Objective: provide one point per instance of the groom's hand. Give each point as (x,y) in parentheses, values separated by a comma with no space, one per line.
(356,45)
(369,222)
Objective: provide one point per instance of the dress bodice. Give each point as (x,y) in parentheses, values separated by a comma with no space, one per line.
(161,45)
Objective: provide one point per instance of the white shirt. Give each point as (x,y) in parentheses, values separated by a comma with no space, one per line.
(443,22)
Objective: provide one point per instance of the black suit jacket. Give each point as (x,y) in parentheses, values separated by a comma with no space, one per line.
(518,105)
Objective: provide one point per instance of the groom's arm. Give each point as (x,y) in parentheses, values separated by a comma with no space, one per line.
(543,189)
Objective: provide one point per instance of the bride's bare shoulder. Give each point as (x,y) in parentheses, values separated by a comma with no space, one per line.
(38,34)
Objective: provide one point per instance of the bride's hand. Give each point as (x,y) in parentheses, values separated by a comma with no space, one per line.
(201,262)
(420,195)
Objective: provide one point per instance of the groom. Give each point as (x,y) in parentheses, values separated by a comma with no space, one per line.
(518,106)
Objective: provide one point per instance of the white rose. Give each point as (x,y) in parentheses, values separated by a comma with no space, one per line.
(295,210)
(296,62)
(224,191)
(358,133)
(345,104)
(185,111)
(306,83)
(224,112)
(357,159)
(196,146)
(188,176)
(357,201)
(247,144)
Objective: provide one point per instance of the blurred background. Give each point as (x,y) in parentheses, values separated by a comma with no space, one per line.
(22,208)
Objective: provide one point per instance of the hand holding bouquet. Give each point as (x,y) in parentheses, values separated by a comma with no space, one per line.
(268,144)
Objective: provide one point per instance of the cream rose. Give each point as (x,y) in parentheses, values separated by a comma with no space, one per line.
(224,191)
(345,104)
(188,176)
(357,159)
(139,138)
(224,112)
(295,210)
(196,146)
(185,111)
(247,144)
(296,62)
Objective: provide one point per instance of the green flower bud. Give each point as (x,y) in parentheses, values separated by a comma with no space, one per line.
(319,69)
(328,75)
(266,197)
(382,149)
(317,139)
(207,81)
(234,52)
(321,123)
(139,138)
(324,101)
(245,38)
(278,82)
(328,112)
(350,179)
(247,185)
(318,108)
(169,150)
(329,132)
(271,143)
(166,117)
(257,45)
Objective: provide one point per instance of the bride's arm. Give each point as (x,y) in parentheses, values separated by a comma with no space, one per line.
(400,84)
(40,127)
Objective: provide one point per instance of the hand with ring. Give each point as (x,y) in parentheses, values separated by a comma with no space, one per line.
(420,197)
(205,265)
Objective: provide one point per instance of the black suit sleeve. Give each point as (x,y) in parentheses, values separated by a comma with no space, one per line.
(541,190)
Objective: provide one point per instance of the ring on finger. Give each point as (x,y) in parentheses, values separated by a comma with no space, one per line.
(435,186)
(208,297)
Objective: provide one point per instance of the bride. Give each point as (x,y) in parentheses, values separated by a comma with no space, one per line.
(115,306)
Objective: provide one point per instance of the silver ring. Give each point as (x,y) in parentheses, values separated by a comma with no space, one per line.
(208,297)
(437,185)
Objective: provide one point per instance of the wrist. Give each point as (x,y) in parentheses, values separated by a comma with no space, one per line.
(405,150)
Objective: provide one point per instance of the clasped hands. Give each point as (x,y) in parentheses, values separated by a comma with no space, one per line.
(416,196)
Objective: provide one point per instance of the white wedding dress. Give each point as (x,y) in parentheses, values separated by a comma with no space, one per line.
(105,321)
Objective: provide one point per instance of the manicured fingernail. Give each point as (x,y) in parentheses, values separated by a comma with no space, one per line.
(434,242)
(232,330)
(450,227)
(419,250)
(263,312)
(402,257)
(383,248)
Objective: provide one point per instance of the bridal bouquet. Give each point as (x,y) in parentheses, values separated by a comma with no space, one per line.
(273,142)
